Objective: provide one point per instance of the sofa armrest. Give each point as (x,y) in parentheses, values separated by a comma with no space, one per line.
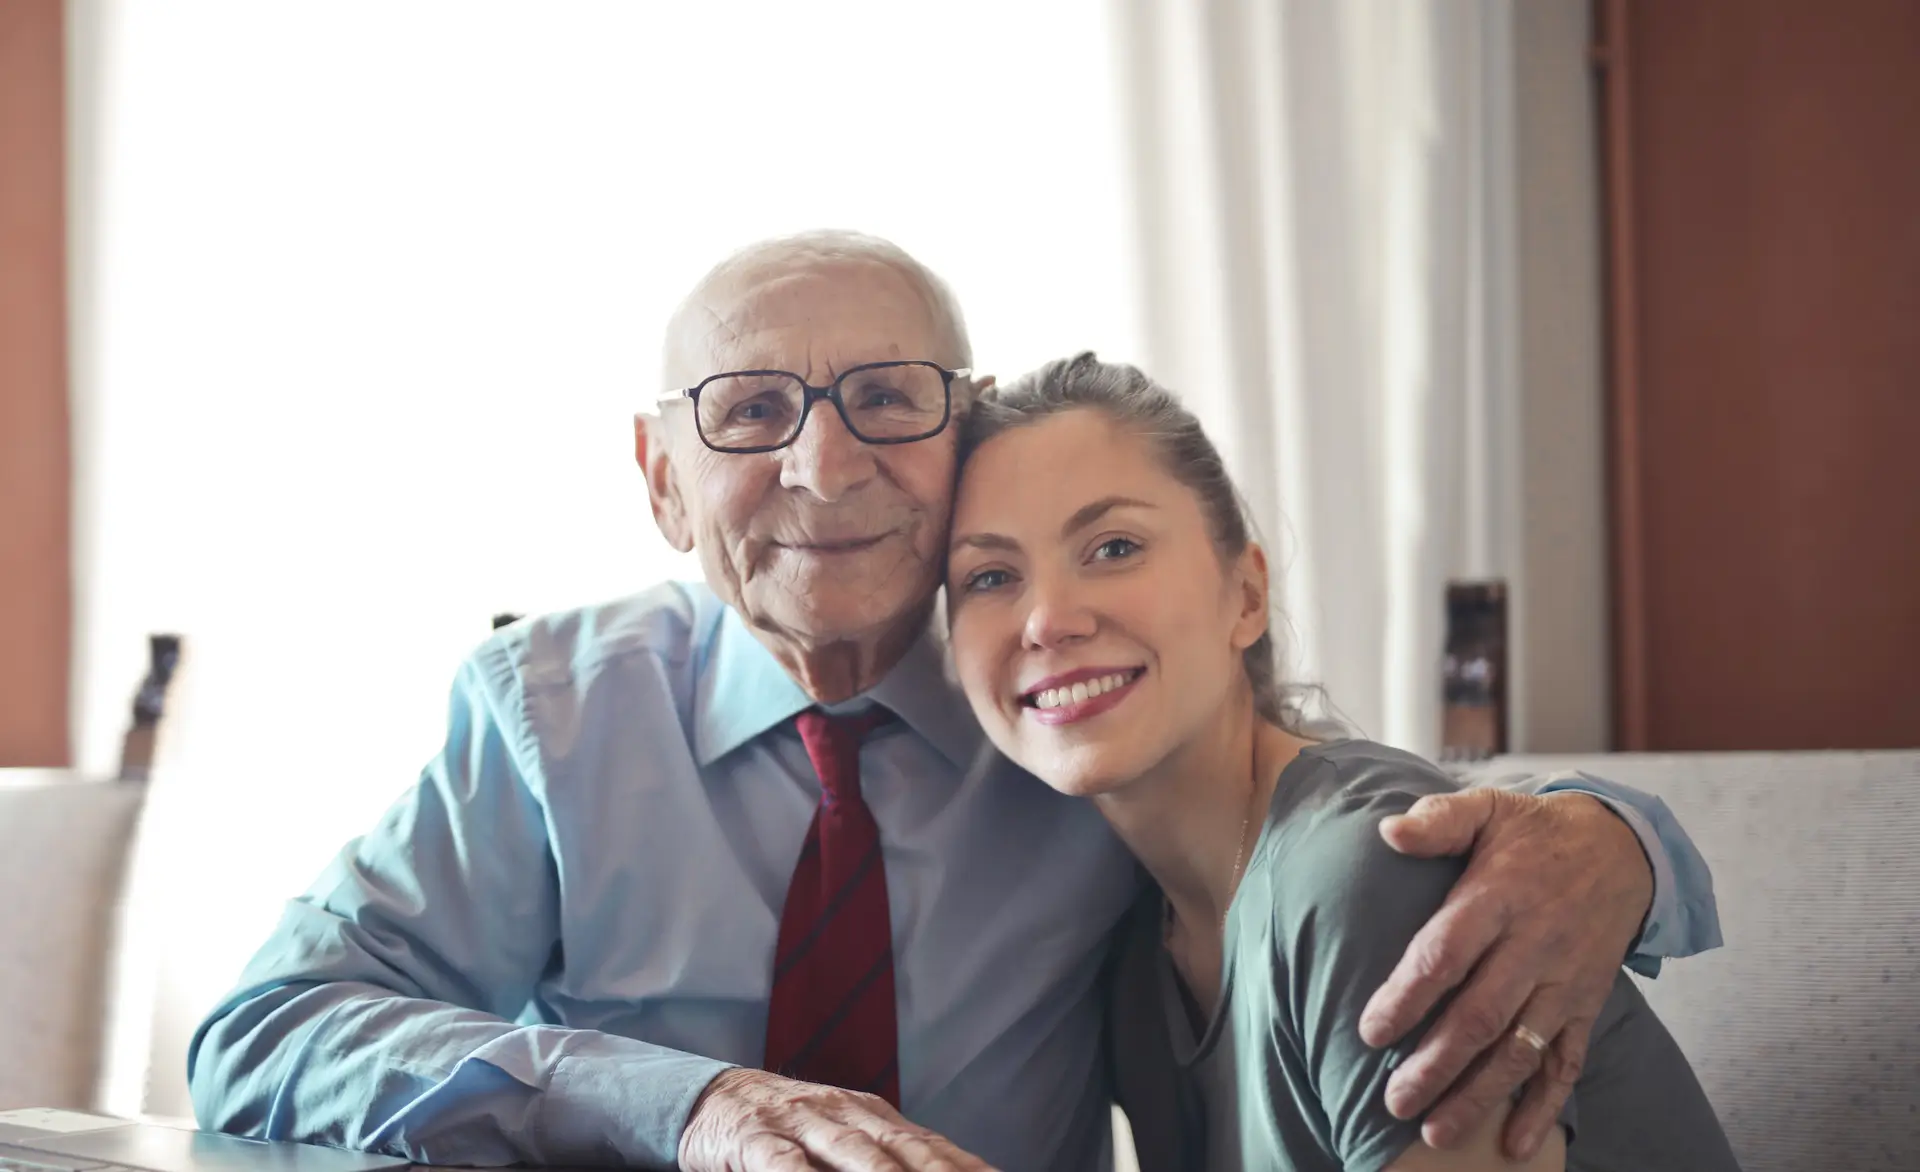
(63,853)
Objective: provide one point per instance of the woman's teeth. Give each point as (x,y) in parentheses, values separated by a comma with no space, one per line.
(1082,691)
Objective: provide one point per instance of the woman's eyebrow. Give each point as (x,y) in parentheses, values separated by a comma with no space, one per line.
(1088,514)
(986,541)
(1082,517)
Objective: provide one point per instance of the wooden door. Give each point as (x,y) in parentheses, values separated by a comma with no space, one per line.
(1763,190)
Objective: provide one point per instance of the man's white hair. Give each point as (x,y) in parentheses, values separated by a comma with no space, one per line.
(804,250)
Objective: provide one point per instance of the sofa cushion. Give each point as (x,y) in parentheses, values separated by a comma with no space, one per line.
(1805,1028)
(63,849)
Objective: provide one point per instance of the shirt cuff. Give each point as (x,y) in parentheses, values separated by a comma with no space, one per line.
(1683,918)
(625,1102)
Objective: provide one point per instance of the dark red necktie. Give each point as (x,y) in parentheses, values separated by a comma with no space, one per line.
(832,1016)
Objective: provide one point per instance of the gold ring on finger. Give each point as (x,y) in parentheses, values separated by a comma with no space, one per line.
(1533,1040)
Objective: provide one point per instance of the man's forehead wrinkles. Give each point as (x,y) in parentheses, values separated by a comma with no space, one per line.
(720,316)
(821,367)
(782,321)
(720,329)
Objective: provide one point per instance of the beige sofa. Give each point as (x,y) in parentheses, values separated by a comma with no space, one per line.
(1805,1029)
(64,845)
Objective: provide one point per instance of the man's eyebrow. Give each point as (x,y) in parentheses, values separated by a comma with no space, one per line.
(1081,518)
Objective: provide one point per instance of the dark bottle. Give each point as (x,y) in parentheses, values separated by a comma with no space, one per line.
(149,705)
(1473,723)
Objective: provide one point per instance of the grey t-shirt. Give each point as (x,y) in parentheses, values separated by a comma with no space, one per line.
(1279,1078)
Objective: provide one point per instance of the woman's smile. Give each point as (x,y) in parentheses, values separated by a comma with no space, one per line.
(1082,694)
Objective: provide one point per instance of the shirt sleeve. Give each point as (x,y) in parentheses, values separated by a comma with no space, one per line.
(377,1016)
(1346,906)
(1684,918)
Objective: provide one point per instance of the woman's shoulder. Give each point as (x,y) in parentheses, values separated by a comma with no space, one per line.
(1351,783)
(1331,911)
(1323,858)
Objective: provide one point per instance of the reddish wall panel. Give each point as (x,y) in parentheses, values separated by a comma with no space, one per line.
(1765,207)
(35,595)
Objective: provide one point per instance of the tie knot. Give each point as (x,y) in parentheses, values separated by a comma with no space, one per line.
(833,745)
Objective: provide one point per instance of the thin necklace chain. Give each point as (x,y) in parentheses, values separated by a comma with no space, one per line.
(1246,819)
(1239,857)
(1239,853)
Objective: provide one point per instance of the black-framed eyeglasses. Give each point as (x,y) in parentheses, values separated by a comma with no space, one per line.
(747,411)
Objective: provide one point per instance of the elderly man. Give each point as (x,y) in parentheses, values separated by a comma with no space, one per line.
(722,877)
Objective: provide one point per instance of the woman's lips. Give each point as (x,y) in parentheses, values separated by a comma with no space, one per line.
(1075,711)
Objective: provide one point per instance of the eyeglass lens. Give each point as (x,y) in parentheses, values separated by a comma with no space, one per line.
(899,401)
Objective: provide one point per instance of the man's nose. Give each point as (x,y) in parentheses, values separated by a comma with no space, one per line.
(1058,617)
(825,458)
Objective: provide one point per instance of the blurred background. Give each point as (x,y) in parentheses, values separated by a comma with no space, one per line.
(322,325)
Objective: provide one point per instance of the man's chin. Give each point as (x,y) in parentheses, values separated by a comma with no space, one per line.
(864,614)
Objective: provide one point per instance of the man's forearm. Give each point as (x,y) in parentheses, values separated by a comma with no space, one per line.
(358,1066)
(1684,918)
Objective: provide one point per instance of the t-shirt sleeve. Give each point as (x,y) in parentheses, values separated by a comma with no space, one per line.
(1346,906)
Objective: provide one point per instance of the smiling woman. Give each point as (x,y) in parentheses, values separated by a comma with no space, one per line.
(1109,624)
(1070,599)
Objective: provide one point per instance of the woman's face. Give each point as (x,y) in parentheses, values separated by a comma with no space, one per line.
(1094,626)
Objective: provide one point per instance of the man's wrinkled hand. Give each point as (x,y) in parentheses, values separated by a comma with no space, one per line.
(1536,928)
(752,1121)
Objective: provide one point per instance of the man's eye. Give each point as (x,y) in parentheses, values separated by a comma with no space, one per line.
(753,411)
(985,580)
(879,397)
(1116,547)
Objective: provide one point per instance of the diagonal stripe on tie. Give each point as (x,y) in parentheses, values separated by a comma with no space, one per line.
(831,1014)
(847,1005)
(875,1085)
(798,952)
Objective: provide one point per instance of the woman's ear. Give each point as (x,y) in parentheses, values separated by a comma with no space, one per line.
(651,447)
(1250,571)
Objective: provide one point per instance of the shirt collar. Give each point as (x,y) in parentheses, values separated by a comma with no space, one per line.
(744,692)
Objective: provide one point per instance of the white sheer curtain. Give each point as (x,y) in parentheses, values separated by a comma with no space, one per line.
(1325,195)
(365,295)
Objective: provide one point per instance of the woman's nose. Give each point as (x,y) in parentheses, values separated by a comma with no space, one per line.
(1057,618)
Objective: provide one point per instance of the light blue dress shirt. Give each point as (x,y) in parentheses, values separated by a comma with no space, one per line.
(549,945)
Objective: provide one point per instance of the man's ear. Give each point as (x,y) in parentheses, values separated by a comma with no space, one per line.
(976,386)
(652,444)
(1255,613)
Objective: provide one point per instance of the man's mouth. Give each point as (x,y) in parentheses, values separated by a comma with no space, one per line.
(843,545)
(1079,694)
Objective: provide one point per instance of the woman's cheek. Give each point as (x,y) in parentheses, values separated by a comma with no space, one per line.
(969,661)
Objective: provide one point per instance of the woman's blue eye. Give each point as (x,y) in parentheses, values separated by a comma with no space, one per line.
(985,580)
(1116,547)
